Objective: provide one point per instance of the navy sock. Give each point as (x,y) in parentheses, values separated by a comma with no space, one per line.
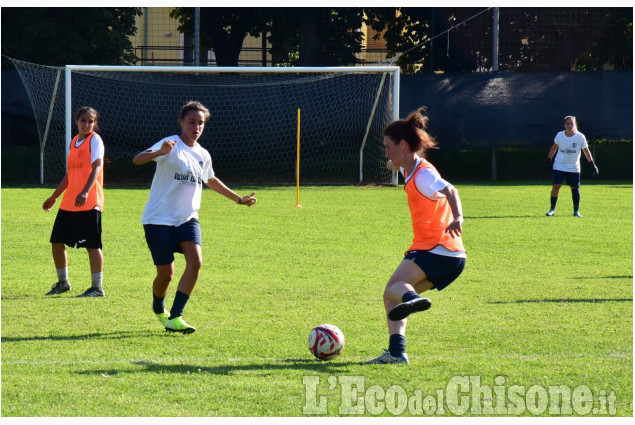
(397,345)
(179,304)
(553,202)
(410,295)
(158,304)
(575,195)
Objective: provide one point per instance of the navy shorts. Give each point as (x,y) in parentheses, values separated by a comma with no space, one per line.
(164,241)
(77,229)
(573,179)
(439,269)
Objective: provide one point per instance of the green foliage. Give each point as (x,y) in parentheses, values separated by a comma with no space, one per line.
(531,39)
(543,301)
(69,35)
(527,162)
(299,36)
(223,28)
(323,36)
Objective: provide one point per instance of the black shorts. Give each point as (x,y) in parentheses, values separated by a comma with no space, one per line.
(573,179)
(164,241)
(77,229)
(439,269)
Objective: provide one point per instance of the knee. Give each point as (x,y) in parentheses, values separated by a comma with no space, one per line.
(386,294)
(390,289)
(195,264)
(164,277)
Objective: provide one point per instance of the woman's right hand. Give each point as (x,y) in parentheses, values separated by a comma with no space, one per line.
(167,147)
(48,204)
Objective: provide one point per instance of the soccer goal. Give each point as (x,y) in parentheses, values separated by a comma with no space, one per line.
(251,134)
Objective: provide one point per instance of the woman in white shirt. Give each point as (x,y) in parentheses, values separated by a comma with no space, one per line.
(568,144)
(170,217)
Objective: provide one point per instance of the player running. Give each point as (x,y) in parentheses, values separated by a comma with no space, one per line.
(170,217)
(78,221)
(568,144)
(437,256)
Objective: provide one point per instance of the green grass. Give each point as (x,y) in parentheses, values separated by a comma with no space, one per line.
(543,301)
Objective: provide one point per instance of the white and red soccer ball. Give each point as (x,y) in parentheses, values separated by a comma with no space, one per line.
(326,341)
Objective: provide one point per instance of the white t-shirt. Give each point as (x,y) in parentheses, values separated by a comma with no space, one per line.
(428,182)
(175,195)
(569,148)
(96,147)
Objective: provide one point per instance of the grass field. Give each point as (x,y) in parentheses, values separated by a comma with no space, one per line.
(543,302)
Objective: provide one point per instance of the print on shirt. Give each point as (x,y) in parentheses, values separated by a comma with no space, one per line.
(188,178)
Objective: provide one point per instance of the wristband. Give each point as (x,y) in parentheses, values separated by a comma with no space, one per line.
(239,199)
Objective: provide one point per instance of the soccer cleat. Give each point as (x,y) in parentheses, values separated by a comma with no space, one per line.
(387,358)
(403,310)
(178,325)
(551,212)
(93,293)
(577,214)
(163,317)
(60,287)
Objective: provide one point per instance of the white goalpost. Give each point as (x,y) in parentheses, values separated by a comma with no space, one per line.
(251,132)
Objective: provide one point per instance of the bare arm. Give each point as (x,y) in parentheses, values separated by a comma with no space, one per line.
(589,158)
(456,227)
(48,204)
(92,178)
(552,151)
(218,186)
(147,156)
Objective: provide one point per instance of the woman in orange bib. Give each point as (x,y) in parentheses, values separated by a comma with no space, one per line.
(437,256)
(78,221)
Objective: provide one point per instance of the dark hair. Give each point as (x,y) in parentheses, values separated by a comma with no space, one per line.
(89,110)
(194,105)
(412,130)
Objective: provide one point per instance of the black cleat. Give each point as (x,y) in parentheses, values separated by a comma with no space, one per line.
(93,292)
(60,287)
(403,310)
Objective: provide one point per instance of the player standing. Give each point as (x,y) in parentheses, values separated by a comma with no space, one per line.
(437,256)
(78,221)
(170,217)
(568,144)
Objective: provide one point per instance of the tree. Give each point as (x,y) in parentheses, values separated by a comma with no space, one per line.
(403,29)
(531,39)
(433,39)
(299,36)
(223,29)
(615,45)
(316,36)
(69,35)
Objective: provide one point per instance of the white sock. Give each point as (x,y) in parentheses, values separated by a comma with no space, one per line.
(96,279)
(62,274)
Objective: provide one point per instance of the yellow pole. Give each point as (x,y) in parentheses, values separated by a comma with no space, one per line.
(297,168)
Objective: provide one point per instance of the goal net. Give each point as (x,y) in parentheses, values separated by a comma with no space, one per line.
(252,132)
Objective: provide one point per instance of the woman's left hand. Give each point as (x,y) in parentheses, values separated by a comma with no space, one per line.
(81,199)
(248,200)
(455,228)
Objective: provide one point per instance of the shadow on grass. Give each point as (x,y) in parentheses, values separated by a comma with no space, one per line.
(111,335)
(605,277)
(566,300)
(501,216)
(261,366)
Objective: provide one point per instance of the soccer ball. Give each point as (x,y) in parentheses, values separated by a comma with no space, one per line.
(326,341)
